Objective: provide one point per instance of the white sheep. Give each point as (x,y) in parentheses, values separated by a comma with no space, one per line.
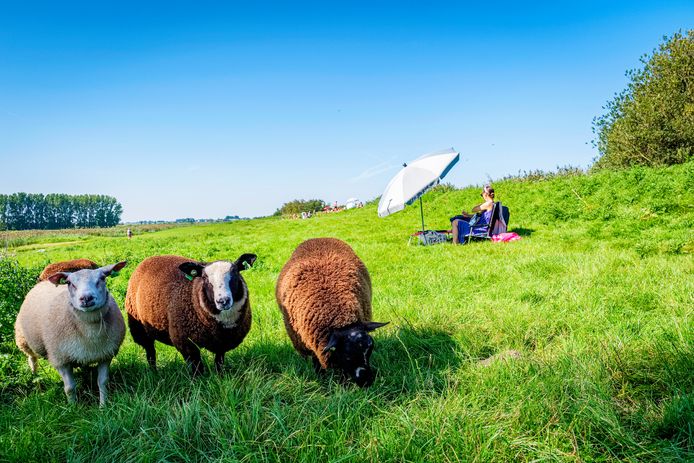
(71,319)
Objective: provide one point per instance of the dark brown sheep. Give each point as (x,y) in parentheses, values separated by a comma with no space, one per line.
(188,305)
(67,266)
(324,293)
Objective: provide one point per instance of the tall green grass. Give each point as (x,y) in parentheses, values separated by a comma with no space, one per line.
(597,297)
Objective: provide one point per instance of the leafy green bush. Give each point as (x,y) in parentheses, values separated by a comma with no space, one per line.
(15,283)
(651,122)
(300,205)
(443,188)
(539,175)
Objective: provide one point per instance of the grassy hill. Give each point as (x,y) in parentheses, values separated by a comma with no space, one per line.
(598,298)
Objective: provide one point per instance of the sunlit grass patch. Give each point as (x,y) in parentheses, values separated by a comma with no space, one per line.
(595,303)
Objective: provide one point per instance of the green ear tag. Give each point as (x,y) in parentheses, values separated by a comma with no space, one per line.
(63,281)
(115,273)
(189,277)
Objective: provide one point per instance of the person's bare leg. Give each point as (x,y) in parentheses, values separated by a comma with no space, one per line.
(454,230)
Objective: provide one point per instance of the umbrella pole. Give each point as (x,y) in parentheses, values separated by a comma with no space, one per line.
(421,211)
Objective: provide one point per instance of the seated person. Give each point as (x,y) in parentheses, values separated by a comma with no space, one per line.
(460,224)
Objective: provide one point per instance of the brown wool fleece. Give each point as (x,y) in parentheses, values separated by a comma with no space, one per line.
(172,309)
(323,286)
(68,266)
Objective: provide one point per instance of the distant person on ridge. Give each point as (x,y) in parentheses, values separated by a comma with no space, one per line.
(460,224)
(129,233)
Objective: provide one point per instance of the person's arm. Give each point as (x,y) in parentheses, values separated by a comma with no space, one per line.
(486,206)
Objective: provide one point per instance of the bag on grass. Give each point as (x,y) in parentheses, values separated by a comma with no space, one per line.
(432,237)
(505,237)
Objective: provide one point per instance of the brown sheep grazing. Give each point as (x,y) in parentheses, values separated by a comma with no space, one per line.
(324,293)
(67,266)
(189,305)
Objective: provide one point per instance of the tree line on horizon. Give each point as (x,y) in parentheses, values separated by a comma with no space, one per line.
(30,211)
(300,205)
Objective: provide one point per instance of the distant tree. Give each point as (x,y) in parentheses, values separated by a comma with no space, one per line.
(300,205)
(23,211)
(651,122)
(3,205)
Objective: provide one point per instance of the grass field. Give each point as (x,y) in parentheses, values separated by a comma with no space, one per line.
(598,298)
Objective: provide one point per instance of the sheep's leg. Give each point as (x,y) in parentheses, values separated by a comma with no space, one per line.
(191,354)
(32,363)
(317,367)
(151,356)
(140,336)
(69,383)
(24,347)
(219,362)
(102,379)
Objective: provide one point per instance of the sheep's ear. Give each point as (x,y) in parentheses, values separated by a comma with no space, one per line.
(112,270)
(245,261)
(59,278)
(370,326)
(191,269)
(332,344)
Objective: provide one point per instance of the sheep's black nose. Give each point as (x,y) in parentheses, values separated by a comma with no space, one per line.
(87,300)
(223,301)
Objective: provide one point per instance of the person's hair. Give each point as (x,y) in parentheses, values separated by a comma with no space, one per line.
(489,190)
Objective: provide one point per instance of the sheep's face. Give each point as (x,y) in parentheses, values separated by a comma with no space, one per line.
(350,351)
(222,283)
(87,288)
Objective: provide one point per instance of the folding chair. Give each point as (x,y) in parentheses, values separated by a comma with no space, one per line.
(498,223)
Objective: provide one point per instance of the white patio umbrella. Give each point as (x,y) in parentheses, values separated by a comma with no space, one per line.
(351,203)
(415,179)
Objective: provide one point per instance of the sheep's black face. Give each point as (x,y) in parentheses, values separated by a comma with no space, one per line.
(351,349)
(87,288)
(223,285)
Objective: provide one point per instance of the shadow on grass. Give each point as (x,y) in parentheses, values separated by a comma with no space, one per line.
(522,231)
(408,359)
(413,359)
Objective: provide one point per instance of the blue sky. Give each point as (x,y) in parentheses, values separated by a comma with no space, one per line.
(194,109)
